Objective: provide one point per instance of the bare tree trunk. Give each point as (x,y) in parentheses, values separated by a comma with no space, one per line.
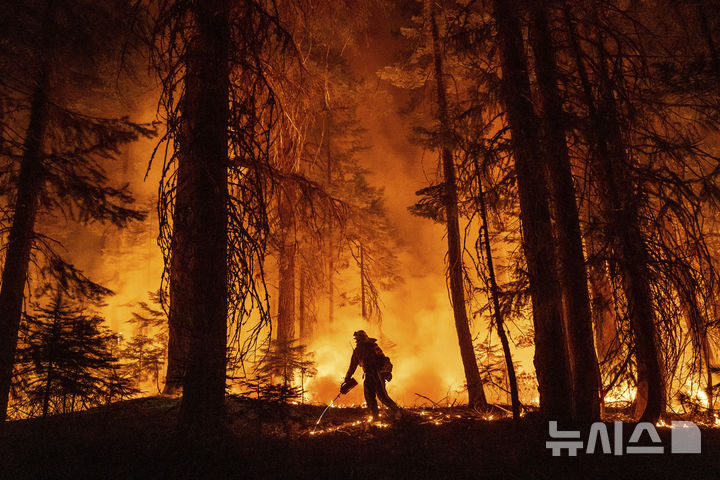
(476,393)
(602,305)
(362,283)
(19,243)
(551,357)
(180,296)
(495,298)
(571,260)
(286,259)
(619,205)
(708,357)
(302,306)
(606,335)
(203,218)
(330,237)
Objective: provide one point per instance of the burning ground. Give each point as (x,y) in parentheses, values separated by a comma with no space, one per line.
(140,439)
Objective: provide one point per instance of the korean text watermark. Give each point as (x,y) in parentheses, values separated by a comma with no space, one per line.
(684,438)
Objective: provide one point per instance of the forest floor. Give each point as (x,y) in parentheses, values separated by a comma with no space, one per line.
(139,439)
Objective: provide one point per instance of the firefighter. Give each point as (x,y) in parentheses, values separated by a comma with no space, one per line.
(377,369)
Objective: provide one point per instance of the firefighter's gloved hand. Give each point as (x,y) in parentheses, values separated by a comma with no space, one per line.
(347,385)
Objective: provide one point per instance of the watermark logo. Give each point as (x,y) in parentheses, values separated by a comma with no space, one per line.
(684,438)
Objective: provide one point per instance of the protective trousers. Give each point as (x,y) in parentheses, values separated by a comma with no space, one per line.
(375,386)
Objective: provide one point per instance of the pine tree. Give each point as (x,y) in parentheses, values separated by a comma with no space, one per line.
(57,162)
(66,362)
(551,356)
(476,394)
(145,353)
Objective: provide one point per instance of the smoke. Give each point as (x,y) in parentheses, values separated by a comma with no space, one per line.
(417,330)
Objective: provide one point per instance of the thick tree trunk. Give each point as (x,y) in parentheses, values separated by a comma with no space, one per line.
(495,298)
(571,260)
(602,305)
(551,357)
(620,203)
(286,260)
(604,315)
(19,243)
(203,216)
(630,248)
(476,393)
(180,296)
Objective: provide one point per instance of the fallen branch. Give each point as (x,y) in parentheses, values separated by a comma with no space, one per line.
(436,405)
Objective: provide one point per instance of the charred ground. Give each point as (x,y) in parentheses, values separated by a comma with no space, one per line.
(140,439)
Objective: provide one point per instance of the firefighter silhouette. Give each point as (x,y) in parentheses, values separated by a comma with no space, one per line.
(377,369)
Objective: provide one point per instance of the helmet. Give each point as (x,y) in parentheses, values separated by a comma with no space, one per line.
(360,336)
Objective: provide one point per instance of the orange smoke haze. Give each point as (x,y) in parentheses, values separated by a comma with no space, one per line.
(418,332)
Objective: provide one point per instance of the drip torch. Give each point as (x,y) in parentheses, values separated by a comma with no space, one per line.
(345,387)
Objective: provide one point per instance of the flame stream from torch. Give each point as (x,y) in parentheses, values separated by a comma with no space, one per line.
(326,409)
(346,386)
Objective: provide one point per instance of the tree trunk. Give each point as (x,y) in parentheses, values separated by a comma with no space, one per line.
(202,219)
(495,297)
(476,393)
(603,311)
(303,306)
(362,284)
(51,356)
(708,358)
(330,235)
(697,329)
(551,357)
(571,261)
(620,203)
(19,243)
(602,305)
(180,296)
(286,260)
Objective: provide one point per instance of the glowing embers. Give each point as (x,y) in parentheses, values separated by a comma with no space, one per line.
(426,416)
(366,423)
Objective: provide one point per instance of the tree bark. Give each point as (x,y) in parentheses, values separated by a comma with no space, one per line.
(571,260)
(330,229)
(604,315)
(303,305)
(202,218)
(551,357)
(619,202)
(476,393)
(363,309)
(19,243)
(495,298)
(179,334)
(286,260)
(601,304)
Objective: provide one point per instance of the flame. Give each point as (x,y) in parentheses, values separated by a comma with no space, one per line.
(623,393)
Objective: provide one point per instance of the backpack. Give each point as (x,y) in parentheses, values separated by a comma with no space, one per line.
(384,365)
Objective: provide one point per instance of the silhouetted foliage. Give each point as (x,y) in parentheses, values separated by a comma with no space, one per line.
(67,360)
